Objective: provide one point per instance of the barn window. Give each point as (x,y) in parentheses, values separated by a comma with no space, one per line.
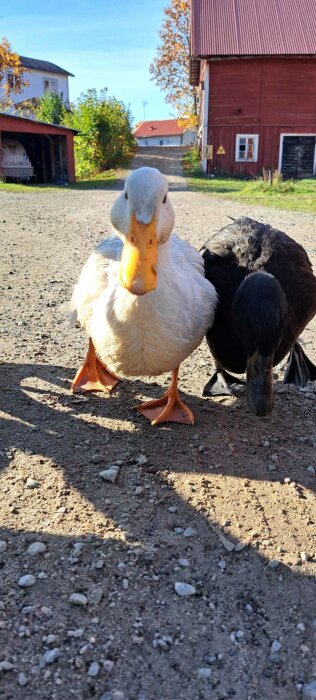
(246,148)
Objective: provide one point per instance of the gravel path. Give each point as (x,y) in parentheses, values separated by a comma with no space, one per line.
(91,604)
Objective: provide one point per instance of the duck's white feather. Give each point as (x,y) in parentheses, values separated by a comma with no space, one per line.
(154,333)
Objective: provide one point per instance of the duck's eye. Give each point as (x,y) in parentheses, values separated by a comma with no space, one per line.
(126,195)
(164,199)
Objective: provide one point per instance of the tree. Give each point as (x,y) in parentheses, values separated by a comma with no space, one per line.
(170,68)
(50,108)
(105,135)
(11,74)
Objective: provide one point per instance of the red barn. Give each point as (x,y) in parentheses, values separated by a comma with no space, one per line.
(255,63)
(49,148)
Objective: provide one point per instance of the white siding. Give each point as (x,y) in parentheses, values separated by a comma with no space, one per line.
(156,141)
(36,88)
(206,98)
(189,138)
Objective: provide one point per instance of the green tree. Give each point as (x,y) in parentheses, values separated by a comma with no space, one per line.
(170,68)
(105,135)
(50,108)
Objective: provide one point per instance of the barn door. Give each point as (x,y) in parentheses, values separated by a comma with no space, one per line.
(298,158)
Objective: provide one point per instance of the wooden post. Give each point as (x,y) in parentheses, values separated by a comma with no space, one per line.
(70,157)
(43,160)
(33,161)
(1,157)
(52,158)
(60,156)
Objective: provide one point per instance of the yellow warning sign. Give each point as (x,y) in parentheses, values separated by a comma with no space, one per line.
(221,151)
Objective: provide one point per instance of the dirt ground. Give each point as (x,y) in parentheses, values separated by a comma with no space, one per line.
(227,506)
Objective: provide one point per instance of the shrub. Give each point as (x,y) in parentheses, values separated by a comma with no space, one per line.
(105,136)
(192,162)
(50,108)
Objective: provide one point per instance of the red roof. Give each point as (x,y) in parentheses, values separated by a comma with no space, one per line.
(164,127)
(33,124)
(253,27)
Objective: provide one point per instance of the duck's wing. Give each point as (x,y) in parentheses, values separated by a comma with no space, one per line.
(254,245)
(189,268)
(239,242)
(94,278)
(186,257)
(231,253)
(110,248)
(248,246)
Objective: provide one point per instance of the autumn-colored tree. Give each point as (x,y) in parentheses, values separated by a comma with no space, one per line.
(11,74)
(170,68)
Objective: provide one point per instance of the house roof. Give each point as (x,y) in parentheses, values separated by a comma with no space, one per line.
(253,27)
(163,127)
(35,121)
(45,66)
(29,102)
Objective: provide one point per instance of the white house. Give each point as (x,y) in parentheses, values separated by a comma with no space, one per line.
(163,132)
(42,76)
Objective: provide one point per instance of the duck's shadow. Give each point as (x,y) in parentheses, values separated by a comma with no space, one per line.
(42,415)
(65,434)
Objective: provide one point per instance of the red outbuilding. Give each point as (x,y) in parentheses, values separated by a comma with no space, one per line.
(255,64)
(35,150)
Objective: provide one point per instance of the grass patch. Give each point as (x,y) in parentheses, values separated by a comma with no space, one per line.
(97,182)
(295,195)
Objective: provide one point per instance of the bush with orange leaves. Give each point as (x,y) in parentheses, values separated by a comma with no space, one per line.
(12,79)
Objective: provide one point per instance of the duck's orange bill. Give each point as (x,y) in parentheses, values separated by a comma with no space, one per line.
(138,271)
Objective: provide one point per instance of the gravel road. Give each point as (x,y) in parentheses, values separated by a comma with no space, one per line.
(90,601)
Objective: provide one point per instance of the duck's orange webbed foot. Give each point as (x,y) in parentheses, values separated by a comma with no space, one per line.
(94,375)
(168,408)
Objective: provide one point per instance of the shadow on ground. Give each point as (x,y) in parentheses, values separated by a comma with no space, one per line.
(133,534)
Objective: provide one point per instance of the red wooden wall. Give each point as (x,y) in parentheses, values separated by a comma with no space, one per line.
(264,96)
(16,125)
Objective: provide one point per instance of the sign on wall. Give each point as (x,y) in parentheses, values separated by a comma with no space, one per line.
(207,153)
(221,151)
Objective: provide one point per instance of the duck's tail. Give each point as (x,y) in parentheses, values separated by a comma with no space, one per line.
(300,368)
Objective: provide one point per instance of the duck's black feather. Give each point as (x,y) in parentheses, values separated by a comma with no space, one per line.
(241,248)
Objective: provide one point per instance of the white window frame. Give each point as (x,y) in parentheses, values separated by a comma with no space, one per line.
(255,138)
(13,78)
(50,81)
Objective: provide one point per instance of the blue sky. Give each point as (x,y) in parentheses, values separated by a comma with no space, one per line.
(105,43)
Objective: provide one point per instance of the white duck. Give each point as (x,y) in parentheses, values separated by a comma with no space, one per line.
(142,298)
